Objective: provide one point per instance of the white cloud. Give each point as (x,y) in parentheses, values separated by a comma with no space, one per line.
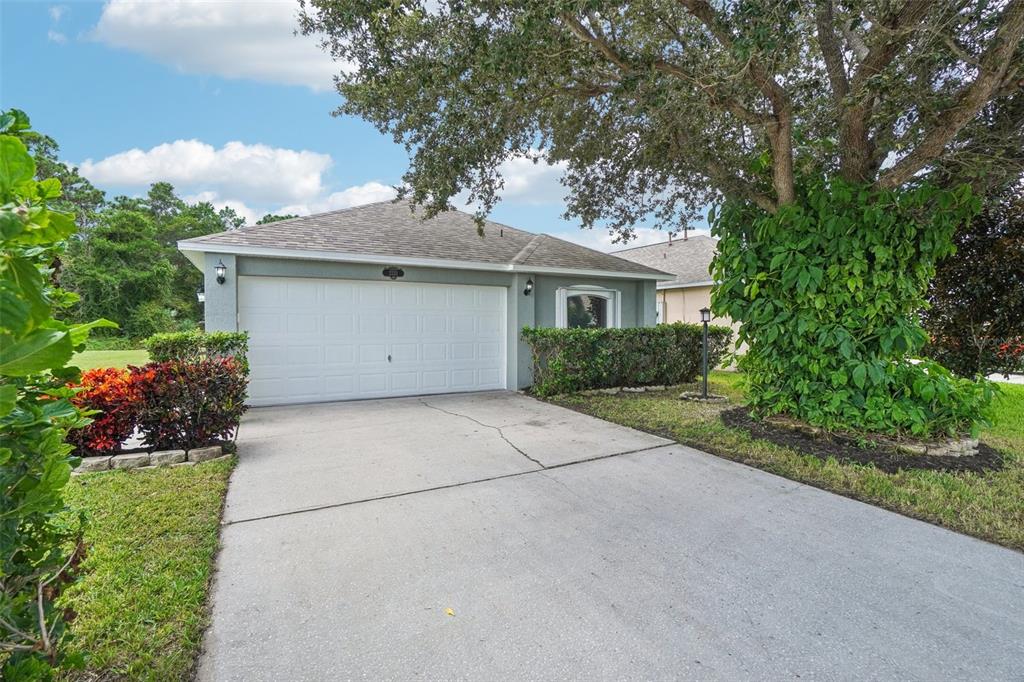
(529,182)
(56,37)
(57,12)
(256,172)
(233,39)
(367,193)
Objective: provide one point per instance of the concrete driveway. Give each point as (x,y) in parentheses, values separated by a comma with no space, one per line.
(566,547)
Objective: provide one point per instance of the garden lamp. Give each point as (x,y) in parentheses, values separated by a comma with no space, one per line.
(705,317)
(200,295)
(221,270)
(529,287)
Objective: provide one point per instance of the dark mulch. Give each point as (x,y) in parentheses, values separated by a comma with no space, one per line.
(987,459)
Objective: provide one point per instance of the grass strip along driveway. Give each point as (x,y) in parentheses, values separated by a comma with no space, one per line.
(140,604)
(988,505)
(92,359)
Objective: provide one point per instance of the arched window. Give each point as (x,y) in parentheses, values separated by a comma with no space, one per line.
(584,306)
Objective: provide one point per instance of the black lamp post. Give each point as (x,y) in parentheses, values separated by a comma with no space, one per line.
(529,287)
(221,270)
(705,318)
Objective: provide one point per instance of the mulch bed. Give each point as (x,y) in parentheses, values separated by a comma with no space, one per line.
(987,458)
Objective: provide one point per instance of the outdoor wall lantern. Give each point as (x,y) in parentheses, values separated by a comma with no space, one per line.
(221,270)
(529,287)
(200,295)
(705,317)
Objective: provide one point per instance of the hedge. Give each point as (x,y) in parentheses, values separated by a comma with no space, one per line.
(569,360)
(196,345)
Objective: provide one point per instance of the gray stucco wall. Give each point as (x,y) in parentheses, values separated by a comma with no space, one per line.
(637,296)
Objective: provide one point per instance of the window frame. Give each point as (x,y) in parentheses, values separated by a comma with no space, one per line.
(612,296)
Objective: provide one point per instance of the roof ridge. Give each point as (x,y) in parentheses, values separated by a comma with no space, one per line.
(667,241)
(528,249)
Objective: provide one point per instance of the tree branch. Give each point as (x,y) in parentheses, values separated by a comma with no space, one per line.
(993,66)
(831,51)
(888,37)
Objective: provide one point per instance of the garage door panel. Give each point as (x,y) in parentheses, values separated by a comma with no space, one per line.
(435,324)
(339,354)
(314,340)
(339,323)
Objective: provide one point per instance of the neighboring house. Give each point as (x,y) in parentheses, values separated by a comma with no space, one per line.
(372,301)
(681,298)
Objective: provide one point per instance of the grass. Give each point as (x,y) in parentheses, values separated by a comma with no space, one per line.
(151,539)
(989,506)
(91,359)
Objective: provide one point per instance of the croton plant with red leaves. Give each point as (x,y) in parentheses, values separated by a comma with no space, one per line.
(113,394)
(190,404)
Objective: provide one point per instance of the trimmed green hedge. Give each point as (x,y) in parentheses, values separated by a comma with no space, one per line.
(192,346)
(569,360)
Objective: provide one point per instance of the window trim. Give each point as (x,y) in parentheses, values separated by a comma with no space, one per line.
(613,296)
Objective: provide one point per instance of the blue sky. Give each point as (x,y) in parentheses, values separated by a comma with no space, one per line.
(222,100)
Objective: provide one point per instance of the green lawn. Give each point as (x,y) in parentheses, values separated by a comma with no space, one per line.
(141,601)
(91,359)
(988,506)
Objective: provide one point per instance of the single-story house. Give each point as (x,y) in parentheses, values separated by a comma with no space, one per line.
(373,301)
(681,298)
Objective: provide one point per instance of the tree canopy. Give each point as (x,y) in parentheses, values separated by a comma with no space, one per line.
(661,107)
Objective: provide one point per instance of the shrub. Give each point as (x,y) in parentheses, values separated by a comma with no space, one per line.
(568,360)
(827,293)
(113,394)
(976,313)
(38,549)
(198,345)
(189,404)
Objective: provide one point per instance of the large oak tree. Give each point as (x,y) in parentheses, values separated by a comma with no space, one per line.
(661,107)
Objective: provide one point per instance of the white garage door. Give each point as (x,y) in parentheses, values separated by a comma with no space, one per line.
(327,339)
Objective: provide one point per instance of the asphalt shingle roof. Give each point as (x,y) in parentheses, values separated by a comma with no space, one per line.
(390,229)
(688,259)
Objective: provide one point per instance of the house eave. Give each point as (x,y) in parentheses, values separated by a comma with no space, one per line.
(662,286)
(189,247)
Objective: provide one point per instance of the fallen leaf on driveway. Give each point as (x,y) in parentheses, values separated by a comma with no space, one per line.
(450,612)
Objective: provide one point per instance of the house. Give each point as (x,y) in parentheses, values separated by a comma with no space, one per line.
(689,260)
(372,301)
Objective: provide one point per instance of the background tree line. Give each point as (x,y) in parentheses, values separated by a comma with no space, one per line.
(124,262)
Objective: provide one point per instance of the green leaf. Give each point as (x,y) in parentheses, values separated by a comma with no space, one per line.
(80,332)
(859,375)
(40,350)
(16,165)
(8,399)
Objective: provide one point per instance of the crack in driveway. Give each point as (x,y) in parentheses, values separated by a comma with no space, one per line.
(405,493)
(489,426)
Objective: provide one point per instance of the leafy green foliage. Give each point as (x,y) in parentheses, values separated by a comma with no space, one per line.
(273,218)
(826,292)
(35,412)
(196,345)
(976,316)
(569,360)
(658,108)
(119,268)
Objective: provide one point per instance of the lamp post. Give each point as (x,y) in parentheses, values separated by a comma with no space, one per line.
(221,271)
(705,318)
(529,287)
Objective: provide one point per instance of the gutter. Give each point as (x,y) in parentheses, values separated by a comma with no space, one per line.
(191,249)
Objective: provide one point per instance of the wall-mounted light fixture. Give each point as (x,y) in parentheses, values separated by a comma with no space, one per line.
(221,270)
(393,273)
(200,295)
(529,287)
